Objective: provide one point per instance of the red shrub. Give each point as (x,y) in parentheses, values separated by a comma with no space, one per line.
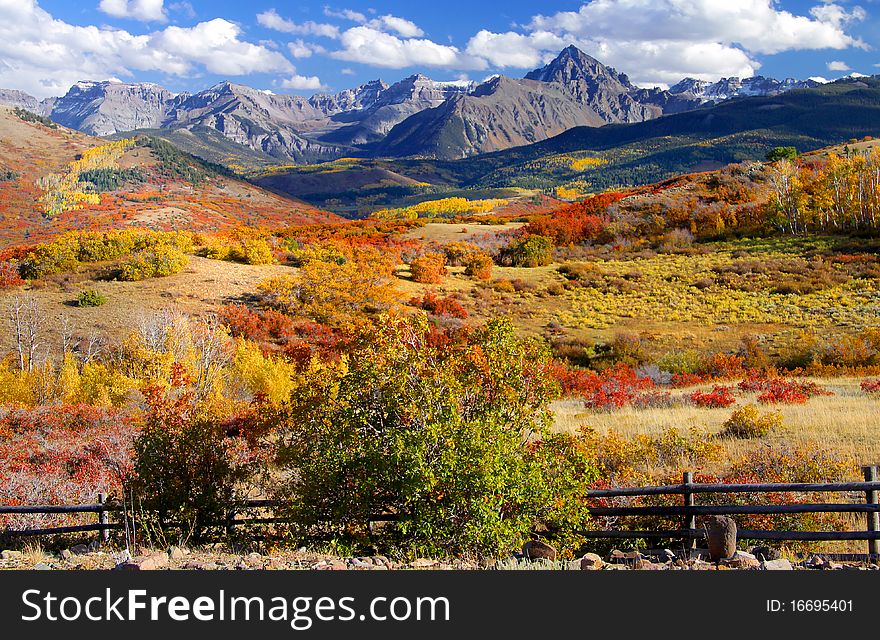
(719,397)
(575,223)
(722,366)
(871,386)
(612,388)
(783,391)
(433,304)
(680,380)
(9,276)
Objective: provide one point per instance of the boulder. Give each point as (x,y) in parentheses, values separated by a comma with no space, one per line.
(777,565)
(742,560)
(622,557)
(537,549)
(65,554)
(10,555)
(151,562)
(721,536)
(176,553)
(591,562)
(79,549)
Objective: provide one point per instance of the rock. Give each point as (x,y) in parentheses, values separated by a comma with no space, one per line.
(644,565)
(146,563)
(698,554)
(10,555)
(42,567)
(535,549)
(423,563)
(766,553)
(777,565)
(176,553)
(380,561)
(721,535)
(621,557)
(591,562)
(65,554)
(742,560)
(79,549)
(359,563)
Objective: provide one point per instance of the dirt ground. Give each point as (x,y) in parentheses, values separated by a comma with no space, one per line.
(198,290)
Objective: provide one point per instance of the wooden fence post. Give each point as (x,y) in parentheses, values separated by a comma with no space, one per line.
(103,520)
(872,518)
(690,520)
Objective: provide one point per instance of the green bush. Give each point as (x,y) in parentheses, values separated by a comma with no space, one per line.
(748,422)
(530,251)
(7,175)
(782,153)
(91,298)
(453,441)
(29,116)
(154,262)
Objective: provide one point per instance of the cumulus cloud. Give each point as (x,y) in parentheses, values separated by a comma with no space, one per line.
(345,14)
(298,83)
(272,20)
(838,65)
(661,41)
(144,10)
(401,26)
(370,46)
(301,49)
(45,56)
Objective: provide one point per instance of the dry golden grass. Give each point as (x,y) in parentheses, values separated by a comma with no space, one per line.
(846,423)
(447,232)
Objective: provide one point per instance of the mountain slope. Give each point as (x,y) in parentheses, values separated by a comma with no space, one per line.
(572,90)
(732,131)
(149,184)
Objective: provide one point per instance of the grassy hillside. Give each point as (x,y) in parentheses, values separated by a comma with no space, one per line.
(56,180)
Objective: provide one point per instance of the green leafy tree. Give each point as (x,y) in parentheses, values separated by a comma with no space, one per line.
(450,438)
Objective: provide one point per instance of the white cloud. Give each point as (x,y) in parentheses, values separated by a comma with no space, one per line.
(661,41)
(301,49)
(297,82)
(402,26)
(838,65)
(377,48)
(45,56)
(514,49)
(346,71)
(271,20)
(144,10)
(345,14)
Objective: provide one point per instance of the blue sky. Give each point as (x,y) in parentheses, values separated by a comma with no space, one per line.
(310,46)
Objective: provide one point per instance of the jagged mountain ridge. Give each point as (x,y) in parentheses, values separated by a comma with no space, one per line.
(415,116)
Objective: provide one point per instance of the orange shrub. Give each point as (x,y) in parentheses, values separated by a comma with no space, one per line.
(428,269)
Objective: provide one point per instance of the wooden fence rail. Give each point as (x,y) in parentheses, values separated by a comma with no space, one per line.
(689,511)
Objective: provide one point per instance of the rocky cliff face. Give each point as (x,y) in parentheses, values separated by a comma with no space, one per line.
(573,90)
(727,88)
(105,108)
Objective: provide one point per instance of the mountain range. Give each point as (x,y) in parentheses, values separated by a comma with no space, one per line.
(416,116)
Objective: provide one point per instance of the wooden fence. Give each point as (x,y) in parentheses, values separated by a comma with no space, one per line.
(688,511)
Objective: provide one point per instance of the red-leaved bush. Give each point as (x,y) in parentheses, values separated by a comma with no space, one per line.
(718,397)
(782,390)
(871,386)
(612,388)
(434,304)
(63,454)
